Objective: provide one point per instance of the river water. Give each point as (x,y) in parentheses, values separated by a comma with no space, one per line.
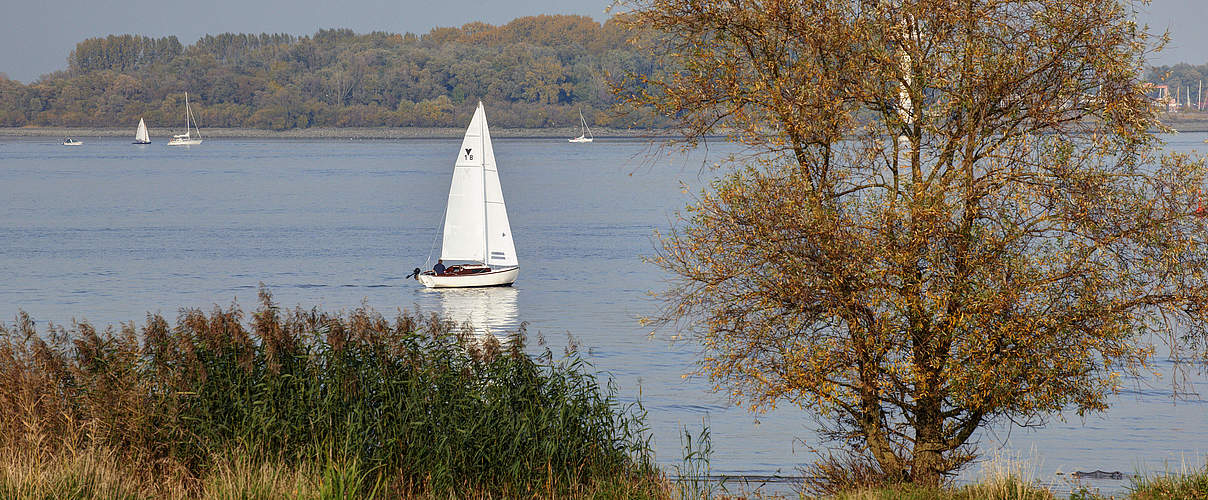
(110,231)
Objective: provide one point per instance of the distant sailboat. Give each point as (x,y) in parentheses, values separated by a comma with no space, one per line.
(477,235)
(72,142)
(585,132)
(187,138)
(140,135)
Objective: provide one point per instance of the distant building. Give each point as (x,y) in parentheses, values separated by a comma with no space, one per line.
(1160,95)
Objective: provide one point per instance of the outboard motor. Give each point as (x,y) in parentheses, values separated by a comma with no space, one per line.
(414,274)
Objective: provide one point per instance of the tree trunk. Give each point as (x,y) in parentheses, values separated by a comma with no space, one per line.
(927,465)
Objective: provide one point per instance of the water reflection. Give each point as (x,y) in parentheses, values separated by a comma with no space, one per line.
(490,311)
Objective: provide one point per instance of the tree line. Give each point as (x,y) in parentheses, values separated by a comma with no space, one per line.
(533,72)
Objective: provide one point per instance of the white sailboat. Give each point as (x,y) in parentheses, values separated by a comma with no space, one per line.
(585,132)
(72,142)
(477,239)
(187,138)
(140,135)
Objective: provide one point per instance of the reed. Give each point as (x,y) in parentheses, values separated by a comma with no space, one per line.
(1188,482)
(370,405)
(694,476)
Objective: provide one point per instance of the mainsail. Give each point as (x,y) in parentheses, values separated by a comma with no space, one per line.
(476,220)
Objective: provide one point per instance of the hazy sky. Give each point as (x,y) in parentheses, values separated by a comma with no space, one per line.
(37,35)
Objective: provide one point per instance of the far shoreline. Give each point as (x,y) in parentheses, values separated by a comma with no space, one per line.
(162,135)
(1190,122)
(1187,121)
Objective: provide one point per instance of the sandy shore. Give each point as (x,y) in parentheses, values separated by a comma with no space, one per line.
(325,133)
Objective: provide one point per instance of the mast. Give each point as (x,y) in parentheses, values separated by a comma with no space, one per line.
(186,112)
(486,221)
(194,120)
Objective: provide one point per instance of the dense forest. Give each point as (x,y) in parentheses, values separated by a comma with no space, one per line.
(532,72)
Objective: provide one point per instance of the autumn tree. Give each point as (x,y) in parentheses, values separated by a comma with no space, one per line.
(954,213)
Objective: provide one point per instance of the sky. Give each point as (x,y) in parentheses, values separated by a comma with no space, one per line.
(37,35)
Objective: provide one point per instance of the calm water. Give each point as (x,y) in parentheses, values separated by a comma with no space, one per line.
(109,231)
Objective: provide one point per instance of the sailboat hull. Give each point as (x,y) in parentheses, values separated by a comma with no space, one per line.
(499,277)
(586,136)
(141,142)
(184,142)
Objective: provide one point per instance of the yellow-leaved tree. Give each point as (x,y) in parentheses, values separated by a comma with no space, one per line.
(958,213)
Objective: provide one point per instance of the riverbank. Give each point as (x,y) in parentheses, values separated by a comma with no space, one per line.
(162,135)
(1187,122)
(1180,122)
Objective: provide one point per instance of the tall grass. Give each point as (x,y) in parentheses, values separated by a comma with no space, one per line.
(694,476)
(1002,478)
(71,474)
(413,404)
(1189,482)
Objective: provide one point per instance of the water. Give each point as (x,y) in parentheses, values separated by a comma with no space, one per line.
(110,231)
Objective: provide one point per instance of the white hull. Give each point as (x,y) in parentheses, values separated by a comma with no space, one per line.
(580,139)
(77,143)
(501,277)
(184,142)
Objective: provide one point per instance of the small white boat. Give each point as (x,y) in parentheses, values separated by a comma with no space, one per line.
(477,238)
(72,142)
(187,138)
(140,135)
(469,276)
(585,132)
